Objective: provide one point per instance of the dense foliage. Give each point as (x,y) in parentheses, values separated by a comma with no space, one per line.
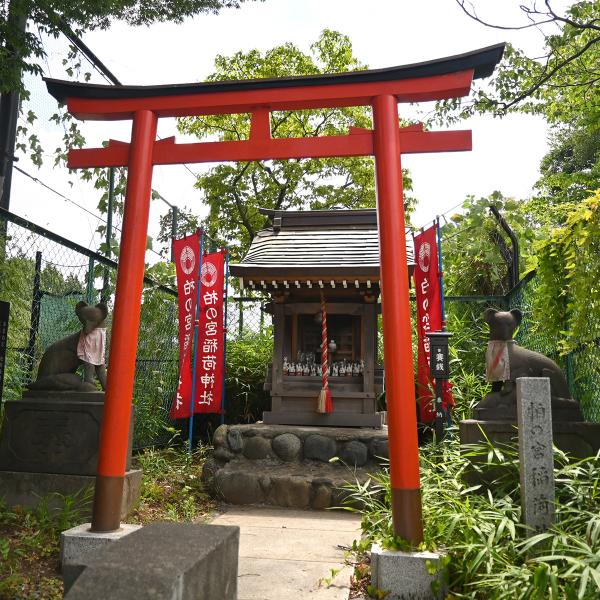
(475,246)
(234,192)
(23,50)
(561,83)
(568,269)
(488,553)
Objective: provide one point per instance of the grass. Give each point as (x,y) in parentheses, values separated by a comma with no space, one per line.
(172,490)
(29,548)
(488,553)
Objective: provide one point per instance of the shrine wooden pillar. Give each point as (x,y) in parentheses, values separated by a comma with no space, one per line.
(114,436)
(397,339)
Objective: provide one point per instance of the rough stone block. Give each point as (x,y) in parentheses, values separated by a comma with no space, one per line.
(321,497)
(379,449)
(164,560)
(78,544)
(26,489)
(53,432)
(354,454)
(257,448)
(222,454)
(238,488)
(292,492)
(287,446)
(404,575)
(220,436)
(319,447)
(235,439)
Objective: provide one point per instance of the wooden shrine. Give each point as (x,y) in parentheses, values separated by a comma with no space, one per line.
(299,256)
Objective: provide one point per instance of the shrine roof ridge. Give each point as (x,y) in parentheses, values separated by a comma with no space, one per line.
(481,61)
(316,219)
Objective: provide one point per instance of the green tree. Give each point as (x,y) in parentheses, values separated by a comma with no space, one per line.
(234,192)
(561,84)
(473,242)
(22,51)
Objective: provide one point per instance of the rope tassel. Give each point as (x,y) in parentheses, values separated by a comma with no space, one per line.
(324,404)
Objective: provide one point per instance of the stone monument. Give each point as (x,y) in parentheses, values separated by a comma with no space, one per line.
(536,456)
(495,417)
(49,438)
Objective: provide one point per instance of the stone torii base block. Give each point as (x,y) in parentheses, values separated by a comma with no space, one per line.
(406,575)
(178,561)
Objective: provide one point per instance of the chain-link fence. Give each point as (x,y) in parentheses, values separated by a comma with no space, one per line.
(581,366)
(43,276)
(247,317)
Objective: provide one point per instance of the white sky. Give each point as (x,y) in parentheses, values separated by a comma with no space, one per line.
(506,153)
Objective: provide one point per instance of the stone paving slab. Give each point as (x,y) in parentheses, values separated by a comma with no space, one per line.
(284,553)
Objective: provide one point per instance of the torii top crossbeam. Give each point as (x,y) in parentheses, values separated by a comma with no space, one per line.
(382,89)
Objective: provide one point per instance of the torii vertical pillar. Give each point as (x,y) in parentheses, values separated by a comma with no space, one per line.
(397,338)
(114,436)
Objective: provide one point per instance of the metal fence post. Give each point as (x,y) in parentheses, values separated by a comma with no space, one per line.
(262,317)
(111,197)
(35,312)
(90,291)
(174,216)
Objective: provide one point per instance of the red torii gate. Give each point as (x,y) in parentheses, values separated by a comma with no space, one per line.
(382,89)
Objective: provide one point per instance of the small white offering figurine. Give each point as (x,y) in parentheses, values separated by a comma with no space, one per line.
(306,370)
(335,370)
(286,366)
(292,369)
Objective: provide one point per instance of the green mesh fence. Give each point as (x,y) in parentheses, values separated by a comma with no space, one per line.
(581,367)
(43,278)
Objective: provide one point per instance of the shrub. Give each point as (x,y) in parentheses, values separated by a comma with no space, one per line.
(488,553)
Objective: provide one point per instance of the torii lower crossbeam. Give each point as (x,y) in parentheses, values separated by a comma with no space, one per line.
(382,89)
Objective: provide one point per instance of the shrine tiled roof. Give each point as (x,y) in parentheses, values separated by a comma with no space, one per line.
(335,244)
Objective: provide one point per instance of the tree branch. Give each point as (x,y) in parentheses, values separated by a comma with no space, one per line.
(549,74)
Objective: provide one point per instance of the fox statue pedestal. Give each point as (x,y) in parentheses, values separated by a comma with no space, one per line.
(495,417)
(49,447)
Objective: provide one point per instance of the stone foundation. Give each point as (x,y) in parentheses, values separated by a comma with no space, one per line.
(49,448)
(284,465)
(18,488)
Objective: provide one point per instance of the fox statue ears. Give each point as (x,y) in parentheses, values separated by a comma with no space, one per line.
(489,314)
(100,306)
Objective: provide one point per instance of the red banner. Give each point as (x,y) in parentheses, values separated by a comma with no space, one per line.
(211,338)
(429,315)
(186,252)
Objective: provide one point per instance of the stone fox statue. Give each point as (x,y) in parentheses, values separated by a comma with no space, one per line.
(506,361)
(57,370)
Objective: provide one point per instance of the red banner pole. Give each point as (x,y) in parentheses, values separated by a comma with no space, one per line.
(195,354)
(223,395)
(114,434)
(400,380)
